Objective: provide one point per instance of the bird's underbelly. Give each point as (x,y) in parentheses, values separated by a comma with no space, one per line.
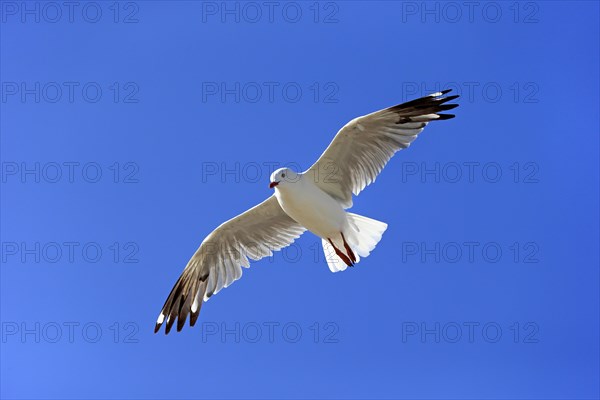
(317,212)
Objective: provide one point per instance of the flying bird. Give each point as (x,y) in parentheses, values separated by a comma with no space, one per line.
(314,200)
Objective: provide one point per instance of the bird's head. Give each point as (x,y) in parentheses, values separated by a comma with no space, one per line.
(283,177)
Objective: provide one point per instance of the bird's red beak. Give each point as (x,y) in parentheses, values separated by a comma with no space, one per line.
(273,184)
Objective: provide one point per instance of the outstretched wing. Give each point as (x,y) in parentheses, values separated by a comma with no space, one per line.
(217,263)
(364,145)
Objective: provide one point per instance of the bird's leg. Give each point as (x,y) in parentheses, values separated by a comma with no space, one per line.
(341,255)
(348,249)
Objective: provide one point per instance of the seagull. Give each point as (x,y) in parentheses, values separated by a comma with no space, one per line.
(315,200)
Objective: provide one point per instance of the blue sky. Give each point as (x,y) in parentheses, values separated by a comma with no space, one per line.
(130,130)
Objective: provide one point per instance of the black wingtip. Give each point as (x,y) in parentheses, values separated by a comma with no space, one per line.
(194,317)
(446,116)
(449,98)
(157,327)
(180,323)
(170,322)
(446,91)
(446,107)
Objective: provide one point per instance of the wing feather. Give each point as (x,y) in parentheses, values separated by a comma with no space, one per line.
(218,261)
(362,148)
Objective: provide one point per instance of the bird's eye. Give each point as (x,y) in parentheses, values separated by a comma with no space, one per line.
(283,175)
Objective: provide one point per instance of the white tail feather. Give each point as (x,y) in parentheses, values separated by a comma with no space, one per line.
(333,261)
(362,235)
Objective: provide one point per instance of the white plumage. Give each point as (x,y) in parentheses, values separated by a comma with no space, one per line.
(315,200)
